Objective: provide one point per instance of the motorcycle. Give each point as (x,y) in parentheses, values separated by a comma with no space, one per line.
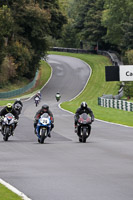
(37,101)
(43,127)
(84,127)
(8,124)
(58,96)
(18,108)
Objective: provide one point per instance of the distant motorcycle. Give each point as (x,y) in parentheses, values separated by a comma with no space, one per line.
(83,127)
(18,108)
(57,96)
(8,124)
(43,127)
(37,101)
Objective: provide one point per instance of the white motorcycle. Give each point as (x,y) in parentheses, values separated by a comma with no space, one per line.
(8,124)
(37,99)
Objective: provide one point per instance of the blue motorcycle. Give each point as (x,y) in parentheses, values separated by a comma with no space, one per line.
(43,127)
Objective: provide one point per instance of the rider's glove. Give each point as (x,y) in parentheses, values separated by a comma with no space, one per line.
(1,118)
(92,120)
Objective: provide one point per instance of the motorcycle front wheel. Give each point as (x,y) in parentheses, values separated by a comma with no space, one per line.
(43,135)
(6,133)
(84,135)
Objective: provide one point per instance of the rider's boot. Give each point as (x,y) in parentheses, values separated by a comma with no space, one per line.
(76,128)
(49,134)
(35,131)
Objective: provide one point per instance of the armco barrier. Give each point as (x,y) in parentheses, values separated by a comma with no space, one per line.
(19,91)
(114,103)
(72,50)
(111,55)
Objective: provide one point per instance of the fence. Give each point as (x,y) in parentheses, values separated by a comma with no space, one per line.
(72,50)
(113,57)
(18,91)
(114,103)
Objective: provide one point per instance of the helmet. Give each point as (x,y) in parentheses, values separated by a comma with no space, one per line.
(18,99)
(83,104)
(45,106)
(9,107)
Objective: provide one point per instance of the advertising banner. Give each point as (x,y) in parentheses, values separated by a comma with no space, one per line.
(126,72)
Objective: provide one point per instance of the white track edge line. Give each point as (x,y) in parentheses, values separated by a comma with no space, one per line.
(97,119)
(13,189)
(81,92)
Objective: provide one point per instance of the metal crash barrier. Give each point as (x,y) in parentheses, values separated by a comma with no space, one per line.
(114,103)
(19,91)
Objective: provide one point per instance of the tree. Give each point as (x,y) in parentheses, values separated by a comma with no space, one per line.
(118,19)
(28,23)
(128,89)
(93,30)
(86,21)
(68,36)
(57,18)
(127,28)
(6,30)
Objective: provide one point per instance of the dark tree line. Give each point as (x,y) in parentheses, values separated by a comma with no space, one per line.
(108,23)
(24,27)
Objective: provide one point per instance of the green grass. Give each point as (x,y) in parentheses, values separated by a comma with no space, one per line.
(15,85)
(6,194)
(44,74)
(96,87)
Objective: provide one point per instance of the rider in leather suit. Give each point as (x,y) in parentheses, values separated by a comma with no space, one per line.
(44,109)
(83,109)
(9,109)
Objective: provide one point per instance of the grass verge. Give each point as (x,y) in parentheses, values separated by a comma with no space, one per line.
(6,194)
(96,87)
(43,76)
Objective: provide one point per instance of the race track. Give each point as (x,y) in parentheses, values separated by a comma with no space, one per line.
(62,168)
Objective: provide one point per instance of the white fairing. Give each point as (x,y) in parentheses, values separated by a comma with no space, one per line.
(44,121)
(57,95)
(9,118)
(37,99)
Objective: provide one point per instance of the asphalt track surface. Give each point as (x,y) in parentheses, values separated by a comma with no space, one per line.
(62,168)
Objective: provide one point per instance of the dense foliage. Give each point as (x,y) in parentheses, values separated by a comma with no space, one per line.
(101,24)
(29,27)
(105,23)
(24,27)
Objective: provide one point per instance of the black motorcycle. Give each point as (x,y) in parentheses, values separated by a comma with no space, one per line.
(84,127)
(18,108)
